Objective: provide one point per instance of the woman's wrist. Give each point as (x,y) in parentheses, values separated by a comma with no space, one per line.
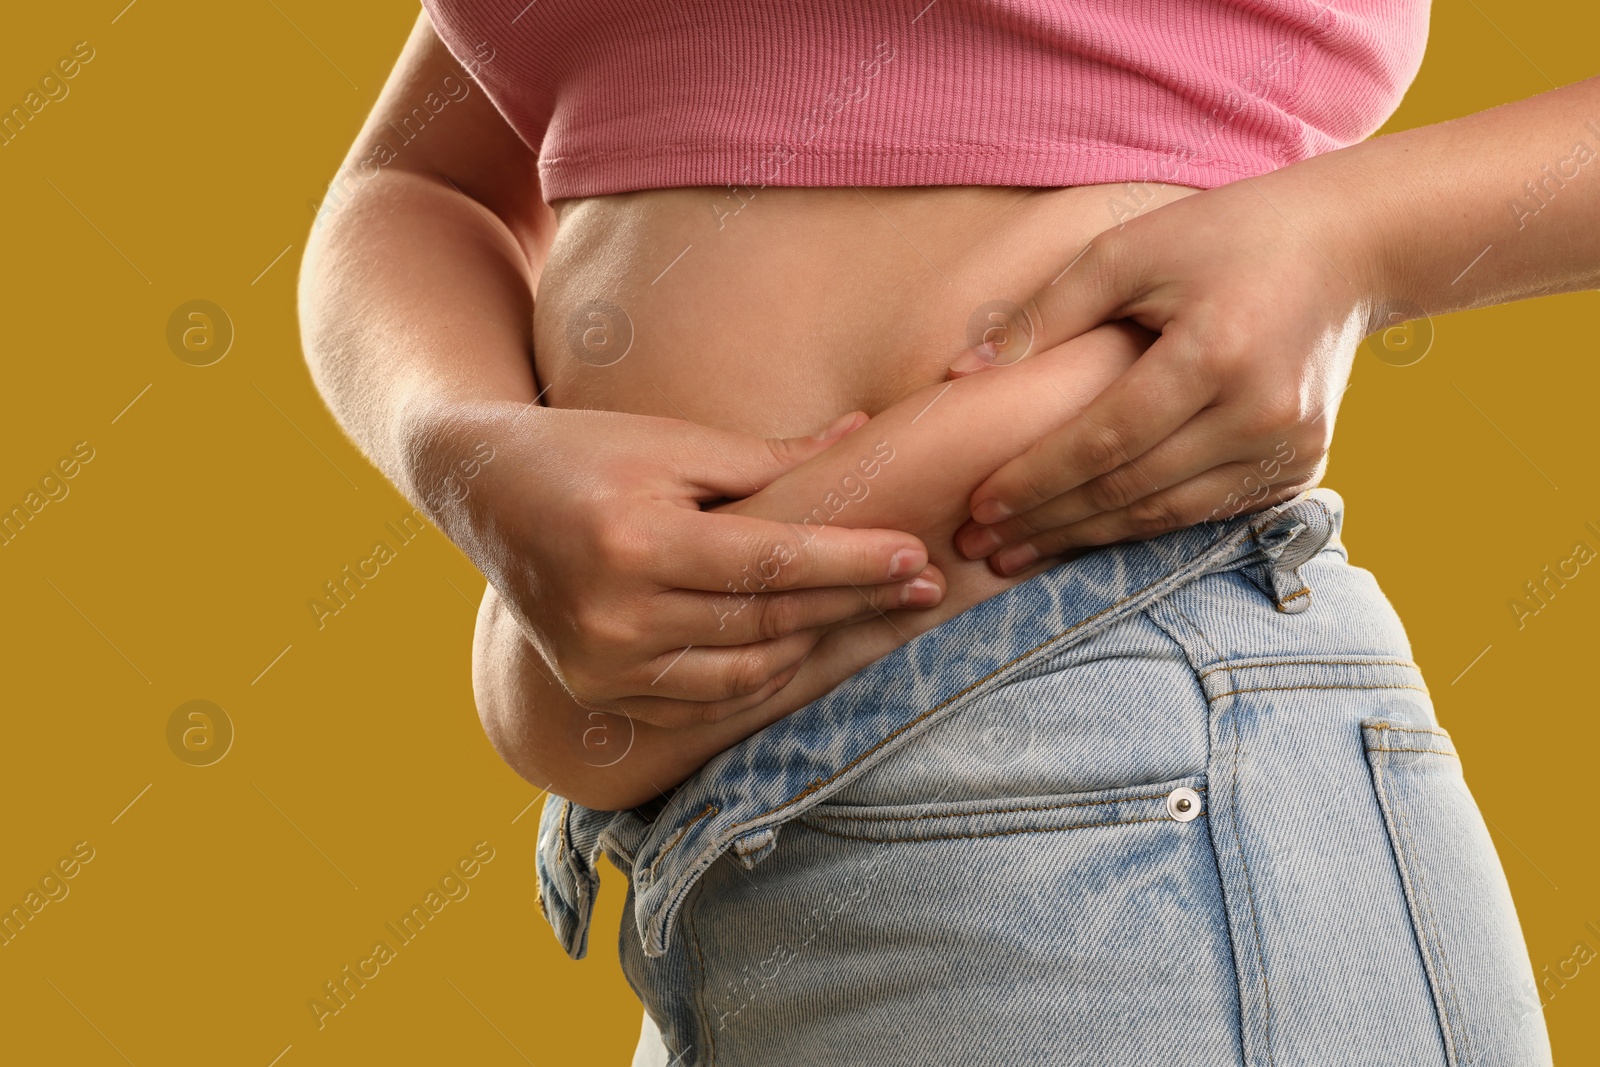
(1338,204)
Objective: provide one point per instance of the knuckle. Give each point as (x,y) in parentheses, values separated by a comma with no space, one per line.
(619,548)
(779,615)
(1229,332)
(769,564)
(1025,525)
(1030,484)
(747,672)
(1113,491)
(1101,451)
(586,687)
(601,632)
(1153,515)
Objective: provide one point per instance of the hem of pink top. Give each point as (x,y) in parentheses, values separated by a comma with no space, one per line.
(1043,166)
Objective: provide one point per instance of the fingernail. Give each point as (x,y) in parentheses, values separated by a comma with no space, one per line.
(973,360)
(920,592)
(978,542)
(990,512)
(1015,558)
(838,427)
(904,562)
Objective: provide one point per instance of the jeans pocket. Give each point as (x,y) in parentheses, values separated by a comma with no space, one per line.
(1026,929)
(1180,800)
(1461,909)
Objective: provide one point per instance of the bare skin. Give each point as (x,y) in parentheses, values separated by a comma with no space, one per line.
(914,464)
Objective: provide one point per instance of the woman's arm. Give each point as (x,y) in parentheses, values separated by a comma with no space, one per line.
(416,304)
(1262,290)
(913,467)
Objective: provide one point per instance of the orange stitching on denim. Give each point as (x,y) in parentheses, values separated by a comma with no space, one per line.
(561,831)
(1435,751)
(1306,591)
(804,821)
(820,782)
(820,814)
(1430,927)
(1308,662)
(1292,688)
(1406,729)
(672,843)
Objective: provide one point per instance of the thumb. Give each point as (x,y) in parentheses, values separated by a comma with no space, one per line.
(1088,290)
(735,465)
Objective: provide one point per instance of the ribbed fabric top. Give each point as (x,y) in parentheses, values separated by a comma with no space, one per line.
(620,95)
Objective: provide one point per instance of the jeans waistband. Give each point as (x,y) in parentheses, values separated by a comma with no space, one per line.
(741,798)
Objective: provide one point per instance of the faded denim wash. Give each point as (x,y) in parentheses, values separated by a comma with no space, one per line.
(1178,802)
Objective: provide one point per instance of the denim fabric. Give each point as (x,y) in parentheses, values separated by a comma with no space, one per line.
(1183,801)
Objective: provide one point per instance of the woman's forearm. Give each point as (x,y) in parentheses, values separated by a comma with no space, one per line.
(1480,210)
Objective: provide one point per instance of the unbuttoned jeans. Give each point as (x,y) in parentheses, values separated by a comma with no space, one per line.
(1177,802)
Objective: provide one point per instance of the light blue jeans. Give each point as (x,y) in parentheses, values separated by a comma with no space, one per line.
(1180,802)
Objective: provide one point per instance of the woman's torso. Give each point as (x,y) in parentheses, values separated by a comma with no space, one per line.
(772,311)
(776,317)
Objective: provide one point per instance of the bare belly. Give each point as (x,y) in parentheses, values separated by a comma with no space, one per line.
(809,303)
(802,305)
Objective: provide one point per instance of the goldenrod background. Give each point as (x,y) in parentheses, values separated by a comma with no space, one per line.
(183,165)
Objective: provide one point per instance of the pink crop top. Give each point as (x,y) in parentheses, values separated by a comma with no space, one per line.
(620,95)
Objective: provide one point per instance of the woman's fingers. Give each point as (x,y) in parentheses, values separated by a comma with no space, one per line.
(741,617)
(1095,284)
(725,463)
(724,552)
(615,738)
(701,675)
(1156,396)
(1210,439)
(1187,504)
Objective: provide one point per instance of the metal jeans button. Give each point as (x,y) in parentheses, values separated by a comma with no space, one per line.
(1183,804)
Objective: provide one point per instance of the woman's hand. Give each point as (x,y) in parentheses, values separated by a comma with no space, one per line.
(911,467)
(1261,290)
(589,525)
(1260,302)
